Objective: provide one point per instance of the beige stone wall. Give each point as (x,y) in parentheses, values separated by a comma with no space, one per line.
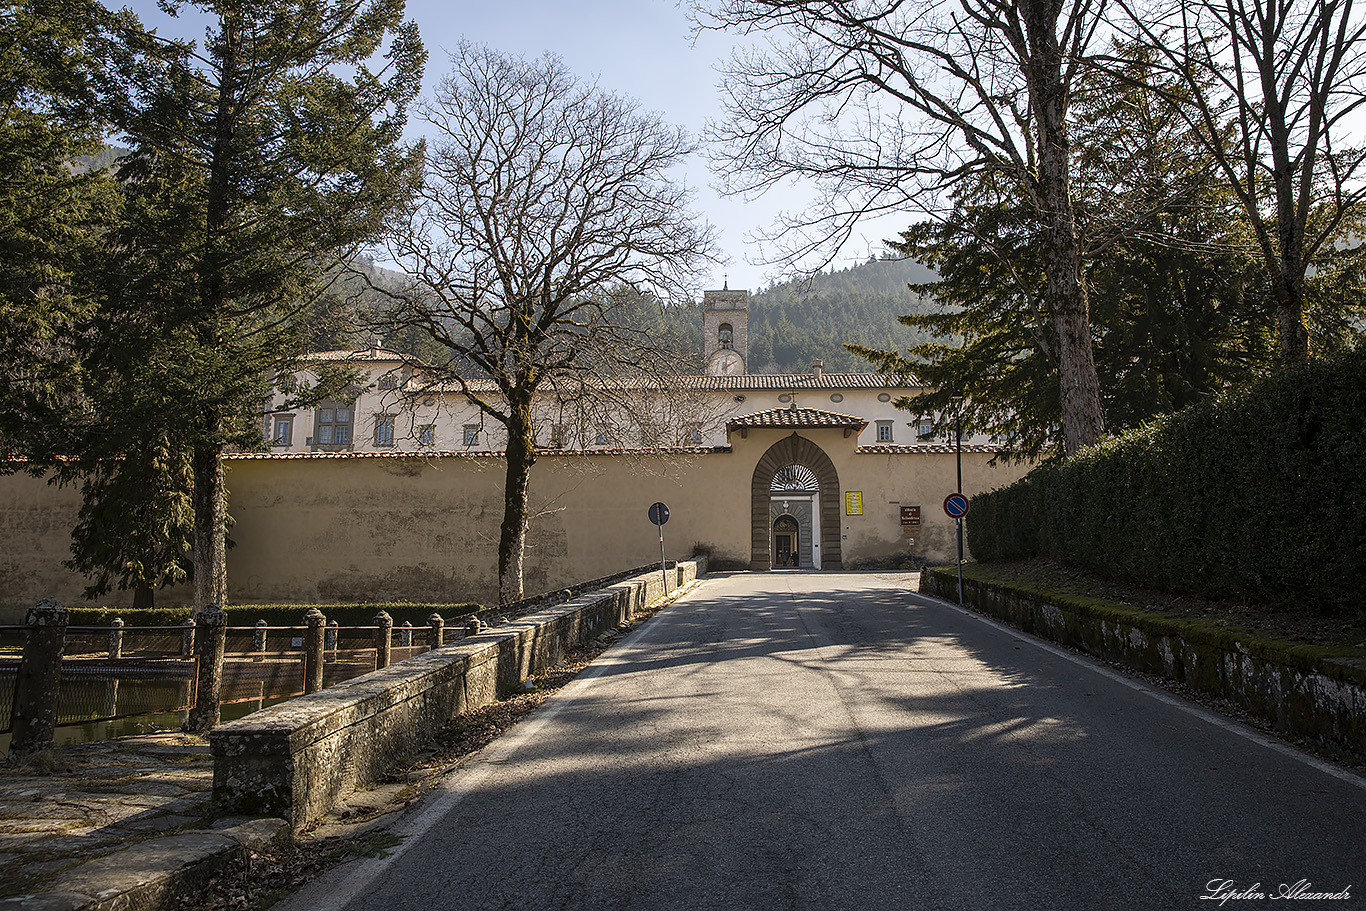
(35,537)
(394,527)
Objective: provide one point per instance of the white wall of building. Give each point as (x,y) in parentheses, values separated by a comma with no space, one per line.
(393,409)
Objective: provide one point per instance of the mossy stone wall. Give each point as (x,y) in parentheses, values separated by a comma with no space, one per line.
(1303,691)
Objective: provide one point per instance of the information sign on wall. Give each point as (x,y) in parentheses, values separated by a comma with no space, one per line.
(853,503)
(910,515)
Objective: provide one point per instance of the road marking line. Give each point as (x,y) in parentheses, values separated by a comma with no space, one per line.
(342,885)
(1160,695)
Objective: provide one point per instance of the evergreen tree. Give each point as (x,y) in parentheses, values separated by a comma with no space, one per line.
(257,162)
(51,212)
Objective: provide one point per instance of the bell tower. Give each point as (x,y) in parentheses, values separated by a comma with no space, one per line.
(725,331)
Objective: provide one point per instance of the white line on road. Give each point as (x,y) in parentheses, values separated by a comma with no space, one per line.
(347,882)
(1160,695)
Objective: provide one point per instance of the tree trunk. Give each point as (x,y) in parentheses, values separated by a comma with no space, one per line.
(210,528)
(1083,420)
(210,506)
(1294,336)
(1289,284)
(521,455)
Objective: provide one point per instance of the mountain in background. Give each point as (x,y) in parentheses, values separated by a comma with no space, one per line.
(791,323)
(794,323)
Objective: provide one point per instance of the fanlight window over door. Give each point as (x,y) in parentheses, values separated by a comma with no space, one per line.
(794,480)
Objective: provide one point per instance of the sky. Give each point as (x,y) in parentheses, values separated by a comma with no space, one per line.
(644,49)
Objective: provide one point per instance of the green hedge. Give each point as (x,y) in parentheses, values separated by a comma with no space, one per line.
(273,614)
(1258,494)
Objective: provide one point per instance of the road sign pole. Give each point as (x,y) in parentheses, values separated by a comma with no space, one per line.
(663,576)
(659,514)
(959,434)
(960,561)
(956,507)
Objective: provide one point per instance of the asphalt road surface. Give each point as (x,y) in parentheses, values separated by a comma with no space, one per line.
(833,741)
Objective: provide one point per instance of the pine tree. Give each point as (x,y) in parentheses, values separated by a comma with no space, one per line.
(51,213)
(257,162)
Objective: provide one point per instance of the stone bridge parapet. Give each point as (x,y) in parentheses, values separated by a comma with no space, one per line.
(295,760)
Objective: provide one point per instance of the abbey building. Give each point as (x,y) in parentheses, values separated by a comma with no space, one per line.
(393,490)
(395,408)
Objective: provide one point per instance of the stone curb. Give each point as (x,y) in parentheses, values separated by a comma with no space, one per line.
(145,875)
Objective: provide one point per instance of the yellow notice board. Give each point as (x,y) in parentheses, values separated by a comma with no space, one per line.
(853,502)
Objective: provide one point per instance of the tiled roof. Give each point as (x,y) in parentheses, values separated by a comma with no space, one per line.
(927,448)
(795,417)
(348,354)
(465,453)
(753,382)
(798,381)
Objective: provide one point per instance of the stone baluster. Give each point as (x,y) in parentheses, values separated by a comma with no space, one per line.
(437,626)
(187,640)
(313,650)
(384,628)
(116,638)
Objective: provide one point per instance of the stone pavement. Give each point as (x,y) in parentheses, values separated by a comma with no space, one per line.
(114,824)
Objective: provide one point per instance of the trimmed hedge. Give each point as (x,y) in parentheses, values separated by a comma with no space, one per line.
(1255,494)
(273,614)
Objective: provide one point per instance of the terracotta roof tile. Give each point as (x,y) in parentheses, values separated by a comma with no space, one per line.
(754,382)
(797,381)
(463,453)
(362,354)
(927,448)
(795,417)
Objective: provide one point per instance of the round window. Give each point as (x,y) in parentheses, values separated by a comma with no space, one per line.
(884,397)
(836,397)
(784,397)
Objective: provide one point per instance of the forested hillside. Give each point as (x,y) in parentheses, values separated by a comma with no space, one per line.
(793,323)
(790,324)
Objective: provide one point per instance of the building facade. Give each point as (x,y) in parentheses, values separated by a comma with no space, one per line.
(394,407)
(393,490)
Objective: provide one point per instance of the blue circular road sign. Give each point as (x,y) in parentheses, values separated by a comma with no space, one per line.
(659,513)
(956,505)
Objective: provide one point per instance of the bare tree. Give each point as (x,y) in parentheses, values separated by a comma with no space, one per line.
(1270,86)
(889,105)
(542,196)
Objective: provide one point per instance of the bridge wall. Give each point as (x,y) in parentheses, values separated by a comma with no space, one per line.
(295,760)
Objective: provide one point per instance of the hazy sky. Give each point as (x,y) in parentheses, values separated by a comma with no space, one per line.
(640,48)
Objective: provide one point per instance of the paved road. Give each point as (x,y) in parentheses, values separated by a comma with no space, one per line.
(832,741)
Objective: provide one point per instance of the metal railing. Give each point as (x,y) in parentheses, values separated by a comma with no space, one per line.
(109,673)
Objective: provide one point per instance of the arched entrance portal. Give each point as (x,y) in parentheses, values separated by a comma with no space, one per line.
(795,478)
(794,506)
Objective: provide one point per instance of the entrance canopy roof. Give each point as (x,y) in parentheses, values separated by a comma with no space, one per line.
(797,419)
